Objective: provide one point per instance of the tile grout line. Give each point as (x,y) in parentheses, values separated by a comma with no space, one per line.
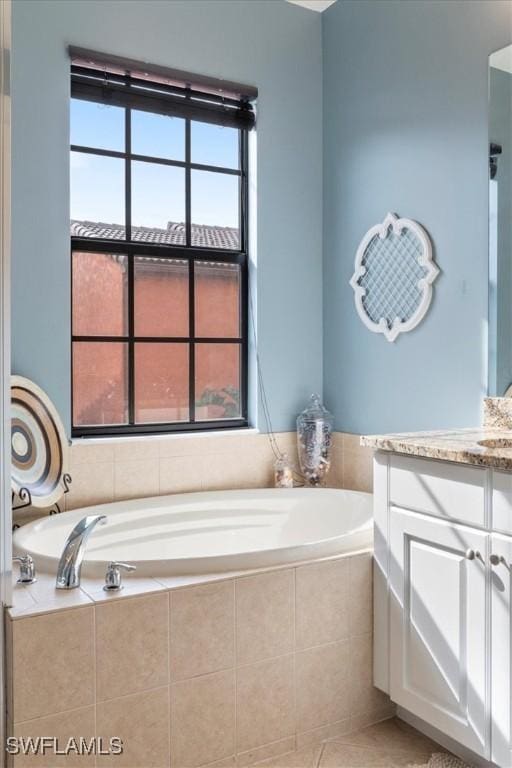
(295,708)
(129,695)
(235,661)
(169,666)
(320,755)
(95,678)
(52,714)
(264,760)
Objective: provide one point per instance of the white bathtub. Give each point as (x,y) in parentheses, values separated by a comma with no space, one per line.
(209,532)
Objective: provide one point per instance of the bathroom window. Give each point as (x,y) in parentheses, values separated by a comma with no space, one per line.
(159,187)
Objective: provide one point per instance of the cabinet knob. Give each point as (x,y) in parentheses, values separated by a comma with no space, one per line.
(497,559)
(470,554)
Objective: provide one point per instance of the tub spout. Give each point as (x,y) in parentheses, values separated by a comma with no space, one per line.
(70,564)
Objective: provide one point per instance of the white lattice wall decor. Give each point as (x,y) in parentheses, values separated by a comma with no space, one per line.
(394,272)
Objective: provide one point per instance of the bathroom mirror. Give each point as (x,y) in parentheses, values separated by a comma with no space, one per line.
(500,222)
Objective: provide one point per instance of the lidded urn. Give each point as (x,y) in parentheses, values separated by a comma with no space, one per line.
(314,441)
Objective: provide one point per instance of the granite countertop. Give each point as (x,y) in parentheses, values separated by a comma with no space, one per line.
(449,445)
(460,445)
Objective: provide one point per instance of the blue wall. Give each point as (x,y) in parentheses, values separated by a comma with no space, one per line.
(273,45)
(500,297)
(406,130)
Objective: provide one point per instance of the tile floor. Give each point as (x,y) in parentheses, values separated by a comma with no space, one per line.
(390,744)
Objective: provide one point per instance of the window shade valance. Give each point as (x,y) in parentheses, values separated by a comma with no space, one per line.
(152,88)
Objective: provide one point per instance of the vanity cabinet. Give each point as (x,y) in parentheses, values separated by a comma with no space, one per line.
(443,624)
(437,624)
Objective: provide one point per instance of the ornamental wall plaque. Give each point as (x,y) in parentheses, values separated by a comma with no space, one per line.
(394,272)
(39,446)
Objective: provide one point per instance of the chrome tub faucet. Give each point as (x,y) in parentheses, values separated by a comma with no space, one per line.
(70,564)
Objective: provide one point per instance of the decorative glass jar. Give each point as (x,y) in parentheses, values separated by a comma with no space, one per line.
(314,439)
(283,472)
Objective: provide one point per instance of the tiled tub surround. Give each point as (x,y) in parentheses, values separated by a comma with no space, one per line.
(226,672)
(113,470)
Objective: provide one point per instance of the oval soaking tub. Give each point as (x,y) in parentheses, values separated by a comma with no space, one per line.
(209,532)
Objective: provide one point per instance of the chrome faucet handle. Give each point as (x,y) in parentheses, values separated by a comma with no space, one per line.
(27,569)
(113,575)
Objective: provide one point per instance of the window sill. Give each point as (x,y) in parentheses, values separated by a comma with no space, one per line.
(208,434)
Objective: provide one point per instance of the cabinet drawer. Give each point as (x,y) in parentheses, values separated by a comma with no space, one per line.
(439,488)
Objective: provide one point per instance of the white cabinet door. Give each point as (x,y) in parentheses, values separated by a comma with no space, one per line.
(438,625)
(501,667)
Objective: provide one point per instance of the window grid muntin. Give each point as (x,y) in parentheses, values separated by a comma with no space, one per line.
(89,244)
(189,252)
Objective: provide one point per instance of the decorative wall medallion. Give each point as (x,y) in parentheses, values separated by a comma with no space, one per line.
(394,272)
(39,447)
